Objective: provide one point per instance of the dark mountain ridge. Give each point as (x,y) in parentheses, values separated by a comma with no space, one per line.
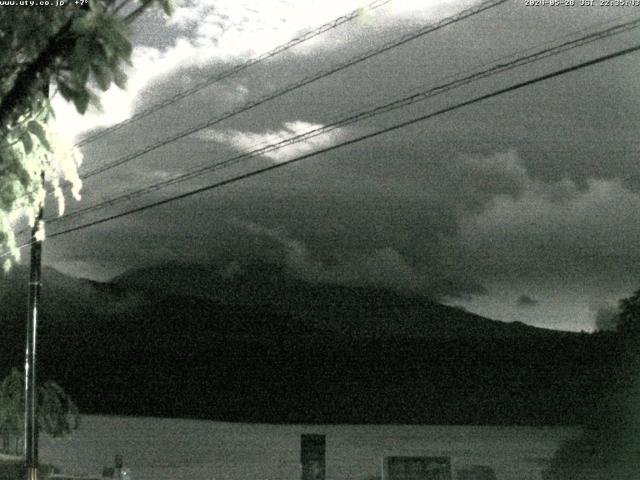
(351,310)
(255,344)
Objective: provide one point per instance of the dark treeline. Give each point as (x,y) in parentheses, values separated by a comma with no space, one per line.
(211,361)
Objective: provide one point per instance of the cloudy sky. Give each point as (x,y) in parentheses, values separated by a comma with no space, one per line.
(523,207)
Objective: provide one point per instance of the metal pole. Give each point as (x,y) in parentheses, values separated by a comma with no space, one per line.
(31,392)
(30,383)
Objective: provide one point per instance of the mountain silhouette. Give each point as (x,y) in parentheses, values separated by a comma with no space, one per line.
(249,342)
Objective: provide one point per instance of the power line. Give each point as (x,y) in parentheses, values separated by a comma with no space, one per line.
(394,105)
(306,81)
(536,56)
(522,52)
(236,69)
(397,126)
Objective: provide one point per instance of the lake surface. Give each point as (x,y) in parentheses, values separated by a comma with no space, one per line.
(164,449)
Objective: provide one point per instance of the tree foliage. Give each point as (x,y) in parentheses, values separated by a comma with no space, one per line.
(629,318)
(57,414)
(609,447)
(75,51)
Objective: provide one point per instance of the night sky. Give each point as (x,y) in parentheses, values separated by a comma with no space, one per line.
(522,207)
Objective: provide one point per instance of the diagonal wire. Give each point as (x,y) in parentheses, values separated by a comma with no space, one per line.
(359,139)
(398,126)
(306,81)
(391,106)
(236,69)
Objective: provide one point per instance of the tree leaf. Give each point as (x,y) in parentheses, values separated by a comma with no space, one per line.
(168,6)
(36,129)
(66,90)
(116,37)
(119,78)
(102,76)
(27,142)
(81,100)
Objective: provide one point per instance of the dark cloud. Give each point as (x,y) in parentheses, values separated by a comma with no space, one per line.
(538,186)
(526,301)
(539,237)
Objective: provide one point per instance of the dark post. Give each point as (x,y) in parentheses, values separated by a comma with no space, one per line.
(30,389)
(118,464)
(312,456)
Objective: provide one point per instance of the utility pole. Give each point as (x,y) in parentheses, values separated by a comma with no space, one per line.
(30,384)
(31,392)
